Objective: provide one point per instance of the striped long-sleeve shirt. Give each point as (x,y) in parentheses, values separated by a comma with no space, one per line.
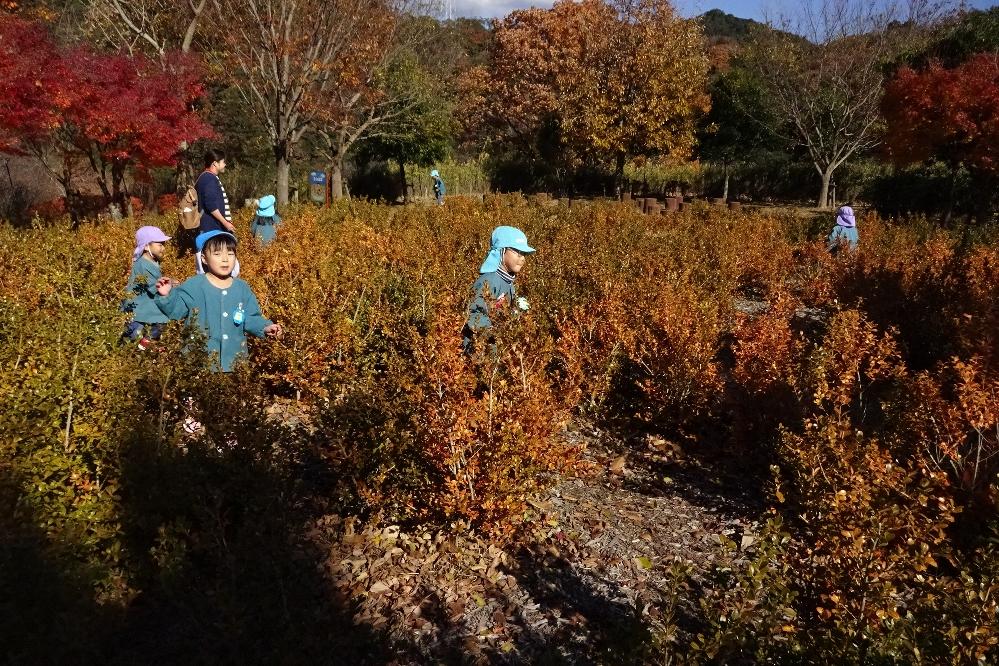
(211,196)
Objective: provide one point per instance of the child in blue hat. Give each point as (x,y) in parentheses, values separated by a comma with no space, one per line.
(264,225)
(439,188)
(199,245)
(494,288)
(224,306)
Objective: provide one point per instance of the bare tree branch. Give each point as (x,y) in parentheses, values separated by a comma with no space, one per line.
(824,70)
(158,26)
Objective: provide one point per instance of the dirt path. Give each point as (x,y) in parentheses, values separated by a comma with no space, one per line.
(603,559)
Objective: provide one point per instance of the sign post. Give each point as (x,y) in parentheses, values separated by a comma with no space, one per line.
(317,187)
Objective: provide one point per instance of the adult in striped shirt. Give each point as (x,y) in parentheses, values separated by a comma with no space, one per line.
(216,215)
(213,202)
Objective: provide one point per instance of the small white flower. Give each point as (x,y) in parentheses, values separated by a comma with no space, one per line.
(523,304)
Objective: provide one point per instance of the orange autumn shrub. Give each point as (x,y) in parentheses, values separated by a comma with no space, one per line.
(951,423)
(868,379)
(435,435)
(674,353)
(767,348)
(937,292)
(872,529)
(979,322)
(592,350)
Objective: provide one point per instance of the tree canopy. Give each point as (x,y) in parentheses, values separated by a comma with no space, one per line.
(591,82)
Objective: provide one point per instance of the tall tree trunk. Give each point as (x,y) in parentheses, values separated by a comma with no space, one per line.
(823,200)
(336,168)
(402,181)
(74,203)
(619,172)
(118,189)
(283,172)
(725,191)
(192,26)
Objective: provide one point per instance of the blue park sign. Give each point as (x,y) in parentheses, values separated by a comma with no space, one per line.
(317,186)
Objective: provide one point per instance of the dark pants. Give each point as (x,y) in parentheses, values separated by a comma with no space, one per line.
(184,240)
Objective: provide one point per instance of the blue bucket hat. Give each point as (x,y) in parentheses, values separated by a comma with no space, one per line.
(200,241)
(435,173)
(265,207)
(504,237)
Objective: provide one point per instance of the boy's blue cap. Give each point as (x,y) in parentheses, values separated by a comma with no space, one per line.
(265,207)
(435,174)
(504,237)
(510,237)
(200,241)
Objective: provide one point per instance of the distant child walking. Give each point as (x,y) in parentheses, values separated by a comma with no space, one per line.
(264,225)
(845,231)
(147,320)
(494,289)
(224,306)
(439,188)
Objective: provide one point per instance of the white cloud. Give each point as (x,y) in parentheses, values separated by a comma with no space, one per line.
(494,8)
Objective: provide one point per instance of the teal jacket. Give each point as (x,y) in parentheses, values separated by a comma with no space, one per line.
(440,189)
(503,295)
(847,235)
(142,292)
(213,310)
(265,228)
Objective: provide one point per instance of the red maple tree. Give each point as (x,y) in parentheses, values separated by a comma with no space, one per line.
(948,114)
(31,81)
(130,113)
(111,113)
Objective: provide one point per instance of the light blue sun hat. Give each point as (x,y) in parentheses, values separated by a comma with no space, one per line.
(504,237)
(200,241)
(265,207)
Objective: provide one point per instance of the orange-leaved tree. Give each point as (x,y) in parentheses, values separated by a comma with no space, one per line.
(594,80)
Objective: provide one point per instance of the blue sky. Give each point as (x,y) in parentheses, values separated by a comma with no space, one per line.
(754,9)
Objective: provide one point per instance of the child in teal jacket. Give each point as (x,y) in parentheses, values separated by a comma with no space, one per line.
(147,320)
(439,188)
(225,306)
(264,225)
(494,288)
(845,231)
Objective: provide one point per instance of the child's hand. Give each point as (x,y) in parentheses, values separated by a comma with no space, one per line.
(164,285)
(273,331)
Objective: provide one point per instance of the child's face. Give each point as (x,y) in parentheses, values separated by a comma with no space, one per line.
(219,261)
(156,250)
(513,260)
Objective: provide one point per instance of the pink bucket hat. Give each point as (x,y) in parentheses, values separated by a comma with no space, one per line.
(146,235)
